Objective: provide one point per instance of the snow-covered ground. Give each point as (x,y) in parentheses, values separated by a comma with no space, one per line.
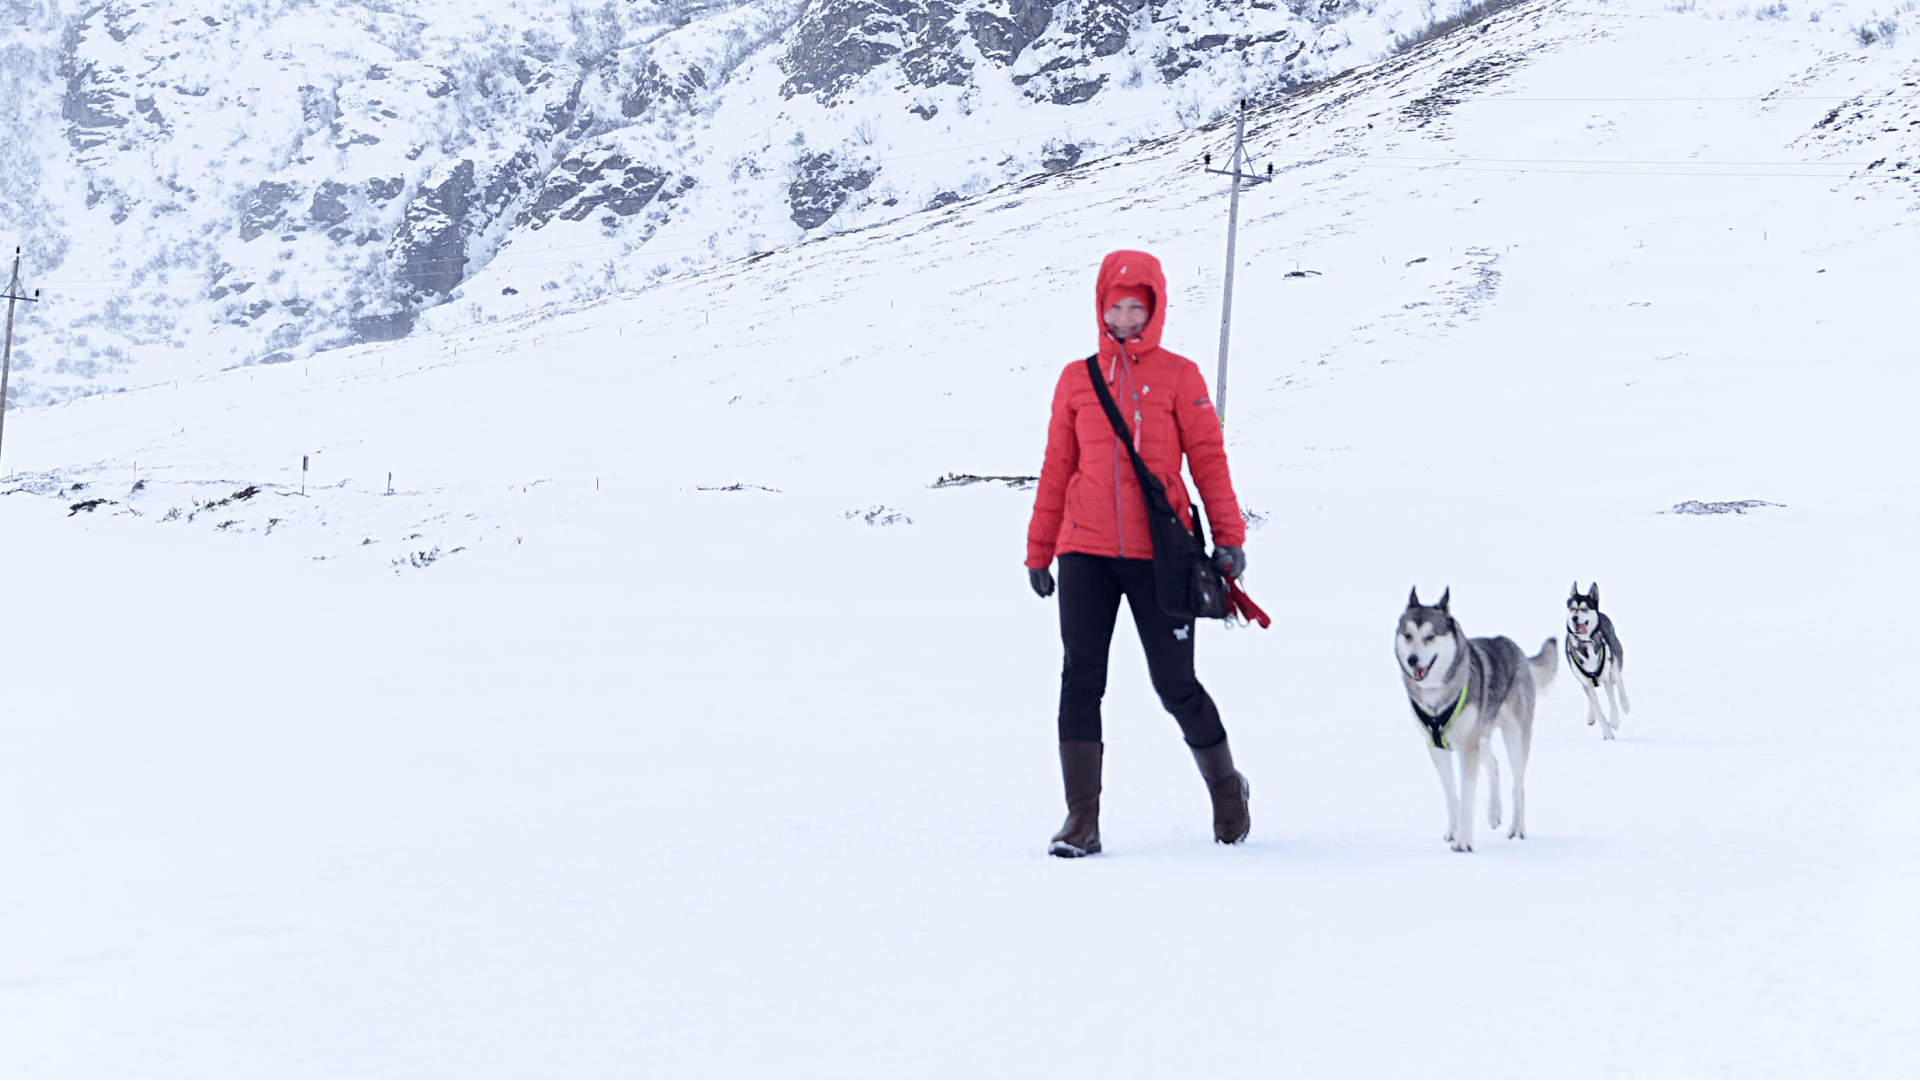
(620,734)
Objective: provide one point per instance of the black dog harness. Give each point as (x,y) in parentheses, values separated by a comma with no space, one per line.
(1573,658)
(1437,724)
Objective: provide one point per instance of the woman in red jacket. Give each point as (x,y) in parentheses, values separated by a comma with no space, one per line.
(1090,513)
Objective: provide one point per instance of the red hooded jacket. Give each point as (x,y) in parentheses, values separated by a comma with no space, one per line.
(1089,498)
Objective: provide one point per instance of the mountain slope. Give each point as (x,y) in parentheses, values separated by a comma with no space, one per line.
(667,718)
(199,187)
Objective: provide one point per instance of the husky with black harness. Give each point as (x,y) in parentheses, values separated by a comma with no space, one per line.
(1596,657)
(1461,689)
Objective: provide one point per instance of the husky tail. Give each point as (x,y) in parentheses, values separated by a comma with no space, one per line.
(1545,663)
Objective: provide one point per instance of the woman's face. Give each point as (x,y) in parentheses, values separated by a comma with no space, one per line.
(1127,318)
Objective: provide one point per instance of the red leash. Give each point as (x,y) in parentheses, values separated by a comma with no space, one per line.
(1243,606)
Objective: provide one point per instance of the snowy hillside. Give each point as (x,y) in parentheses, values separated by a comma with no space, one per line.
(625,694)
(199,187)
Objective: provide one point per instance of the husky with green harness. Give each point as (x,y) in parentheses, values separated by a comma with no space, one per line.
(1461,690)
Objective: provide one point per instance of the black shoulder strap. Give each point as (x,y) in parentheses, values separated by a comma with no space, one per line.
(1148,482)
(1113,414)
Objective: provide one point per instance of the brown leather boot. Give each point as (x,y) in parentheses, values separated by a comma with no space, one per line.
(1080,768)
(1230,791)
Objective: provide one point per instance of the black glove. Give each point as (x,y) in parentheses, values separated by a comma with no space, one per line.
(1041,579)
(1232,561)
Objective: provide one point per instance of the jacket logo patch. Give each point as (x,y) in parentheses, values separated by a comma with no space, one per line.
(1203,402)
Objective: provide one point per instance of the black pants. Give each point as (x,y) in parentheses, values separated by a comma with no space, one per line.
(1090,591)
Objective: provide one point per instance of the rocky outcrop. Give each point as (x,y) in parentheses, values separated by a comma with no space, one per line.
(1003,38)
(559,85)
(600,176)
(839,42)
(821,186)
(429,253)
(1059,157)
(329,205)
(655,84)
(266,209)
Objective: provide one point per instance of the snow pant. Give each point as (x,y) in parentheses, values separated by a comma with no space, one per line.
(1090,591)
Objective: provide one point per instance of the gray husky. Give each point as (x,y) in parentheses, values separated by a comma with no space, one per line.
(1596,657)
(1461,689)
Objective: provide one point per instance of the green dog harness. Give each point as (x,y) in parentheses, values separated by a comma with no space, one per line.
(1437,724)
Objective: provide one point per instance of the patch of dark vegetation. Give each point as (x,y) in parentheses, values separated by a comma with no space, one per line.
(240,496)
(422,560)
(88,506)
(957,480)
(735,487)
(1738,506)
(879,516)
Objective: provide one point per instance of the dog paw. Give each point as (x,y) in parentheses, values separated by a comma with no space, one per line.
(1589,720)
(1493,820)
(1462,846)
(1516,834)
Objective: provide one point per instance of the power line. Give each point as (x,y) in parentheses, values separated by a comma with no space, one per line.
(1109,122)
(1458,164)
(1756,101)
(1448,165)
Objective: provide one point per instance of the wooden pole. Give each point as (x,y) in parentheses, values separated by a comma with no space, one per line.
(1226,297)
(6,353)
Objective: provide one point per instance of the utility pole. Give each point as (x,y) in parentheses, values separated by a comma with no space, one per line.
(1233,227)
(6,353)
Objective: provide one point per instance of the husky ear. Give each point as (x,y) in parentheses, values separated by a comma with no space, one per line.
(1413,597)
(1573,594)
(1444,597)
(1593,596)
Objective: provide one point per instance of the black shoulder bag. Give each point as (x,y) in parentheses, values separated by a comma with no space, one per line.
(1188,584)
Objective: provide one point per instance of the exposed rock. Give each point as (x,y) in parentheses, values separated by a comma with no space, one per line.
(821,187)
(561,84)
(430,250)
(1005,38)
(503,184)
(89,106)
(1075,91)
(385,191)
(585,182)
(654,86)
(1100,26)
(383,327)
(318,108)
(1059,158)
(329,203)
(266,209)
(838,42)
